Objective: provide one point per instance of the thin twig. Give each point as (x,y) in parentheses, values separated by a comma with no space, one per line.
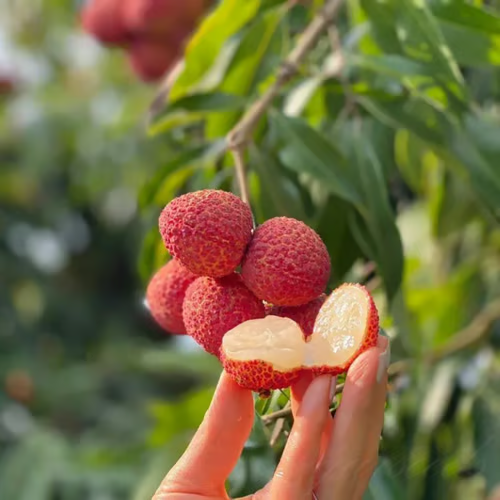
(474,333)
(239,136)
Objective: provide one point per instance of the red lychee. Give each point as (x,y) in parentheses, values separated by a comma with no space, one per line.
(286,263)
(103,19)
(165,295)
(150,60)
(208,231)
(213,306)
(158,18)
(273,352)
(304,315)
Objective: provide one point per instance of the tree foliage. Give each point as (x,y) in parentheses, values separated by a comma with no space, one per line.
(384,139)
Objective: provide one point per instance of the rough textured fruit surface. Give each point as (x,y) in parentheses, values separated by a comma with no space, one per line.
(103,19)
(287,263)
(270,353)
(349,320)
(150,60)
(304,315)
(165,295)
(208,231)
(257,375)
(213,306)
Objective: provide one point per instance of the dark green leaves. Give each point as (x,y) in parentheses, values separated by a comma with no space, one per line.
(356,177)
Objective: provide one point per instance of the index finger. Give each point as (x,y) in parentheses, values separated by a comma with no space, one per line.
(216,446)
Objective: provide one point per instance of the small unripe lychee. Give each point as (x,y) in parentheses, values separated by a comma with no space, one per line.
(213,306)
(286,263)
(304,315)
(208,231)
(165,295)
(103,19)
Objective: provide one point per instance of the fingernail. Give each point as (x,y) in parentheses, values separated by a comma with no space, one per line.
(333,388)
(316,394)
(384,358)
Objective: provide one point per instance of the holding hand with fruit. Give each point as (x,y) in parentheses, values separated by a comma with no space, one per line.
(272,327)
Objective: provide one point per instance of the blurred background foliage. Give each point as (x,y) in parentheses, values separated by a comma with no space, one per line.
(387,143)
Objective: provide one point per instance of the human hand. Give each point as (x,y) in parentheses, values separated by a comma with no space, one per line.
(324,458)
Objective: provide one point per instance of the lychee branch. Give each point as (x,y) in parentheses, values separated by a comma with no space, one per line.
(241,133)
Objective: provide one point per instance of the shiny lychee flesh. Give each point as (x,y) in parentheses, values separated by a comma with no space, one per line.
(273,352)
(213,306)
(165,295)
(287,263)
(207,230)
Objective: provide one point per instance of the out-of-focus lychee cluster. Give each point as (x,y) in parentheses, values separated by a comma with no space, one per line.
(152,32)
(224,272)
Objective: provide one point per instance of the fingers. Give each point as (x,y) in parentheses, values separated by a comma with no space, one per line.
(352,452)
(216,446)
(294,475)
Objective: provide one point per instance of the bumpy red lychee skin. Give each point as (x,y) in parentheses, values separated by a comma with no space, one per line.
(165,295)
(150,60)
(371,332)
(213,306)
(304,315)
(286,263)
(257,375)
(208,231)
(103,19)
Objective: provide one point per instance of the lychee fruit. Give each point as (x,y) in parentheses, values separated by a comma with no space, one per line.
(103,19)
(165,295)
(304,315)
(208,231)
(150,60)
(157,18)
(213,306)
(286,263)
(271,353)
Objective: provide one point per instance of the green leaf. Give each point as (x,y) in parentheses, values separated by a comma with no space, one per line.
(390,64)
(305,151)
(278,195)
(384,485)
(422,39)
(487,431)
(152,255)
(226,20)
(245,68)
(467,15)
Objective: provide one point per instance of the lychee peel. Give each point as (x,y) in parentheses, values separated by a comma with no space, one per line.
(213,306)
(208,231)
(104,20)
(165,295)
(304,315)
(286,263)
(273,352)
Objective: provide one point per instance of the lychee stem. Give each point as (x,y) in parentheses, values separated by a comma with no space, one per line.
(238,138)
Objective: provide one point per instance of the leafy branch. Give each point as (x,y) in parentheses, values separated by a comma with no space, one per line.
(241,133)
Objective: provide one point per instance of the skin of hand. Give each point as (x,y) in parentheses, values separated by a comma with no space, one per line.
(334,458)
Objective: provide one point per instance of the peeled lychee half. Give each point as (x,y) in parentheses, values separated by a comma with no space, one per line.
(207,230)
(165,295)
(287,263)
(213,306)
(271,353)
(304,315)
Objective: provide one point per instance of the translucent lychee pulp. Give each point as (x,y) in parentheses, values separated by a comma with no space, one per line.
(338,334)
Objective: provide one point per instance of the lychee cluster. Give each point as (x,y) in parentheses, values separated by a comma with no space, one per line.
(152,32)
(255,297)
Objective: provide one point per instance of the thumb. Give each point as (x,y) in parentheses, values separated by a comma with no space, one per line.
(217,445)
